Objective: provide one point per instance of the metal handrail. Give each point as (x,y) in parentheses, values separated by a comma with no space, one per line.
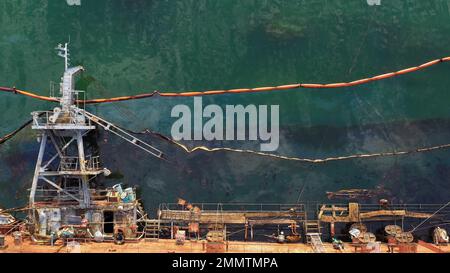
(237,206)
(371,207)
(71,163)
(41,118)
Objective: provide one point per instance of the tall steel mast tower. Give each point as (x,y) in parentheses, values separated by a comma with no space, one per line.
(65,166)
(64,176)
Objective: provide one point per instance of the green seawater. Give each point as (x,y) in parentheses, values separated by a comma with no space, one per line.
(130,47)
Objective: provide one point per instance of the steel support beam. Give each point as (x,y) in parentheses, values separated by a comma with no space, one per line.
(61,189)
(37,170)
(84,179)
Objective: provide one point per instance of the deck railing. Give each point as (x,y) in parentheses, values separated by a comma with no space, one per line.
(421,208)
(236,207)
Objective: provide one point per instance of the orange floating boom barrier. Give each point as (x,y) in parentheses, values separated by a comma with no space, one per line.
(240,90)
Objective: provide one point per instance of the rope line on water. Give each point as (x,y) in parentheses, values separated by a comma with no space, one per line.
(240,90)
(15,132)
(282,157)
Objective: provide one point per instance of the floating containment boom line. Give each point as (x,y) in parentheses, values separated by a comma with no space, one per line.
(239,90)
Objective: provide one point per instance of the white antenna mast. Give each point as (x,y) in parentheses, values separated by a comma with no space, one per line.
(63,51)
(67,86)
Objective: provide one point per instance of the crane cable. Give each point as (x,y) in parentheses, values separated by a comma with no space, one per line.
(428,218)
(236,91)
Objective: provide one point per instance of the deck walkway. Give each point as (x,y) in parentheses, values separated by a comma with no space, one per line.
(169,246)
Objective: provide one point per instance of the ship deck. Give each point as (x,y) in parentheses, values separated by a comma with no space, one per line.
(170,246)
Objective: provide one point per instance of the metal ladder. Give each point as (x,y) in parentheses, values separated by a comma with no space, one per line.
(110,127)
(316,242)
(152,228)
(311,227)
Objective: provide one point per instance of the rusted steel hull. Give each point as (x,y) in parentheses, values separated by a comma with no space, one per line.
(170,246)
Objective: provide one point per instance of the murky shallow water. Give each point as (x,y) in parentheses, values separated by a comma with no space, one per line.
(130,47)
